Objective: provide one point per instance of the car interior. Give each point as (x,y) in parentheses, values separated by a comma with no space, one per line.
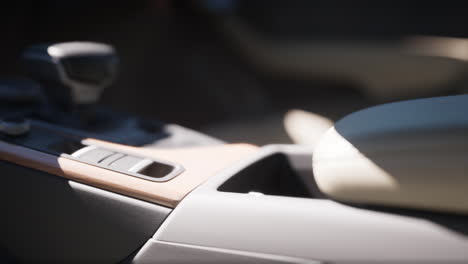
(234,131)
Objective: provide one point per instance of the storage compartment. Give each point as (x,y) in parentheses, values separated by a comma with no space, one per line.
(273,175)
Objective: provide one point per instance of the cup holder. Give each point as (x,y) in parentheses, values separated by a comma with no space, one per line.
(274,174)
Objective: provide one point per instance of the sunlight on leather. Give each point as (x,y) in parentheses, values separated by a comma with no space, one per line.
(337,159)
(304,127)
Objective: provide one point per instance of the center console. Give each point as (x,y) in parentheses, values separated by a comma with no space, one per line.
(88,185)
(82,183)
(59,129)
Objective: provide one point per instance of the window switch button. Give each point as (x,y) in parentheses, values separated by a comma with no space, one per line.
(92,154)
(124,163)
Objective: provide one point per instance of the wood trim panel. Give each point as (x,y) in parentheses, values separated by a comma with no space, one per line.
(200,163)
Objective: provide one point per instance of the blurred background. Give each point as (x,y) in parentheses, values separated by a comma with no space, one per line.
(234,68)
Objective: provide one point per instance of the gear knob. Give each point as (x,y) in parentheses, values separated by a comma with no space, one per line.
(76,72)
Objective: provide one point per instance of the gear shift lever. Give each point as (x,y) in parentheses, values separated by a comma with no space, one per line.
(72,73)
(72,76)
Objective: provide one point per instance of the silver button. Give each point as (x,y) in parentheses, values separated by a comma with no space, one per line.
(124,163)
